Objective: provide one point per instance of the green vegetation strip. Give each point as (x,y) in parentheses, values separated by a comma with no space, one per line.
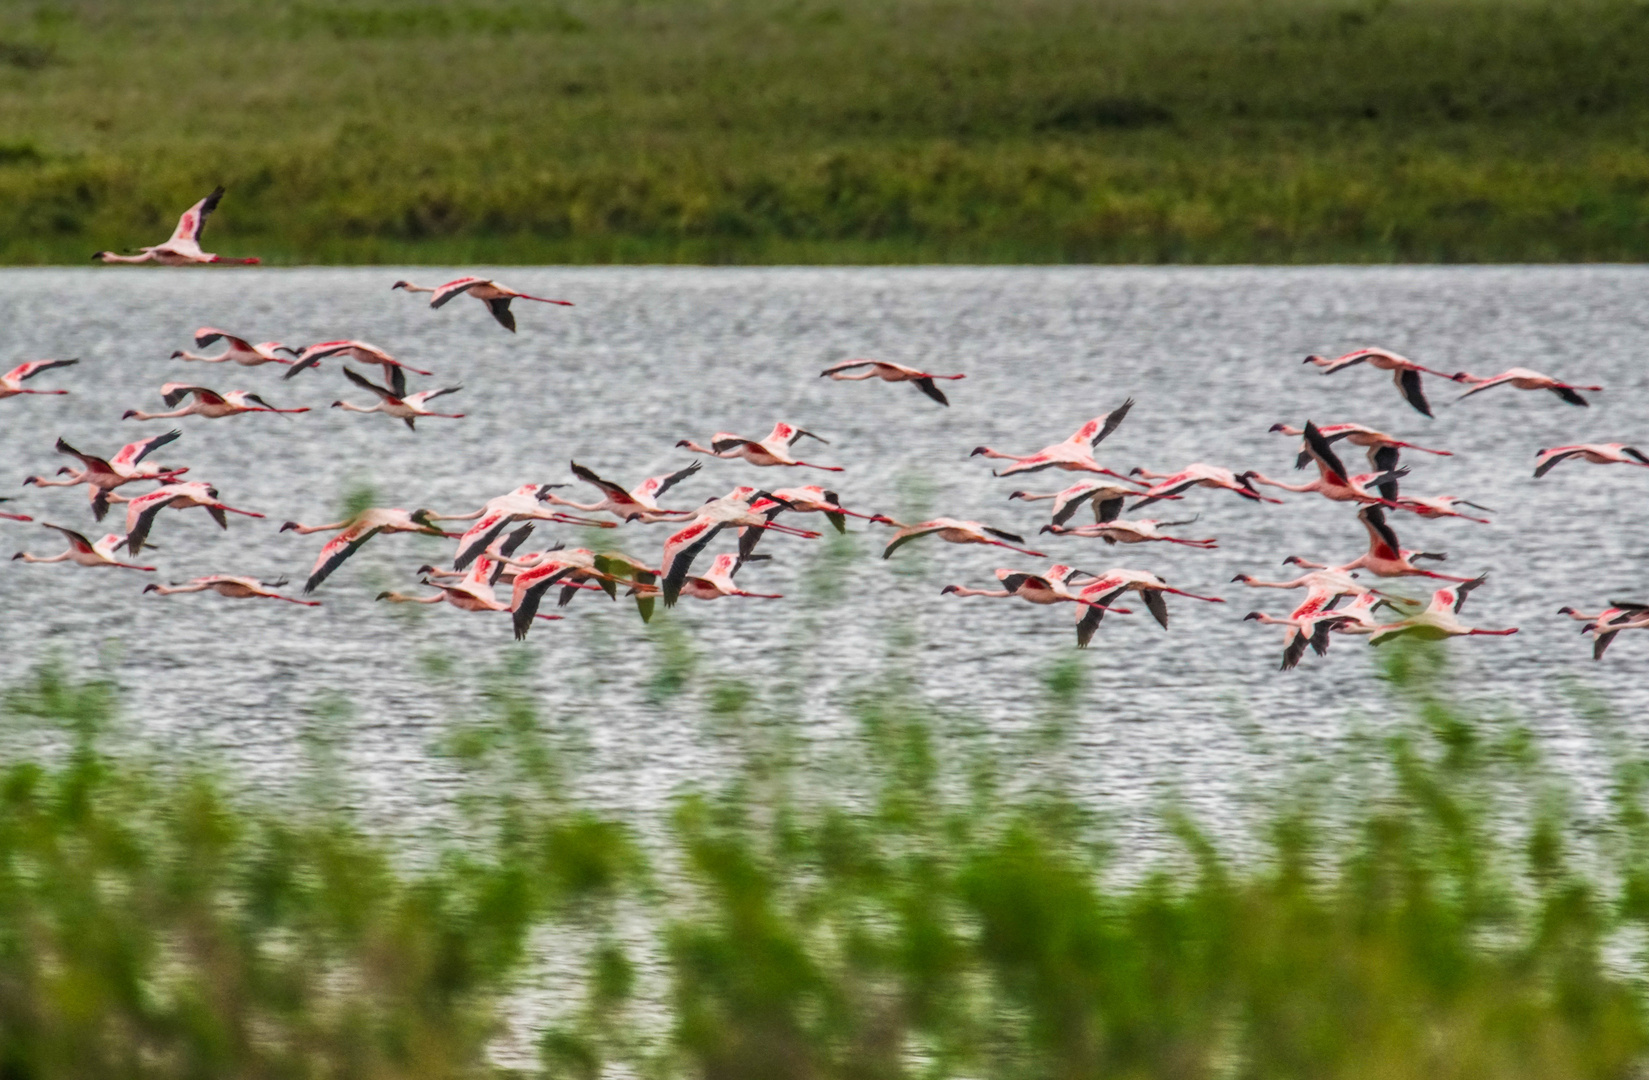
(1418,904)
(830,130)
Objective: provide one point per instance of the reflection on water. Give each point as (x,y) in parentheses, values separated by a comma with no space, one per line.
(652,356)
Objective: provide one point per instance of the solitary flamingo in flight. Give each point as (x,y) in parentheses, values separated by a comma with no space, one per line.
(141,511)
(1383,450)
(207,403)
(237,350)
(1138,531)
(83,552)
(529,502)
(952,531)
(362,352)
(183,249)
(1597,453)
(1044,589)
(354,532)
(1105,588)
(1439,620)
(236,588)
(397,403)
(1523,379)
(1405,372)
(1075,454)
(889,372)
(497,297)
(773,450)
(639,504)
(1170,485)
(1106,499)
(11,383)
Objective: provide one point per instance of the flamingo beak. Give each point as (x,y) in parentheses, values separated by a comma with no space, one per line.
(947,590)
(1278,427)
(1252,616)
(287,526)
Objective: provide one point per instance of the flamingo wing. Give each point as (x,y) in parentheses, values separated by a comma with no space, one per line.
(1095,431)
(1323,454)
(1001,535)
(419,400)
(444,294)
(1550,459)
(925,384)
(500,308)
(132,453)
(1408,384)
(656,486)
(846,365)
(610,489)
(334,553)
(1463,590)
(95,464)
(172,393)
(78,540)
(33,368)
(193,221)
(367,384)
(1567,393)
(907,534)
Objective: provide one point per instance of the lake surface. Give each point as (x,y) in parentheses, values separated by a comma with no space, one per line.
(650,356)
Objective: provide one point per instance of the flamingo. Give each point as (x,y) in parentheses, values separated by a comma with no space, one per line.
(14,517)
(1383,449)
(1439,506)
(471,593)
(1324,583)
(1045,589)
(1106,500)
(236,349)
(889,372)
(207,403)
(398,403)
(732,509)
(1075,454)
(1385,556)
(572,569)
(1597,453)
(1333,481)
(362,352)
(11,383)
(236,588)
(812,499)
(497,297)
(1310,629)
(82,552)
(1405,372)
(1523,379)
(1620,615)
(1439,620)
(773,450)
(1169,485)
(640,504)
(525,503)
(103,476)
(141,511)
(183,249)
(1318,614)
(354,532)
(952,531)
(1106,587)
(1140,531)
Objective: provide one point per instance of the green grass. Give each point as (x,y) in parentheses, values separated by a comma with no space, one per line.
(831,130)
(1417,903)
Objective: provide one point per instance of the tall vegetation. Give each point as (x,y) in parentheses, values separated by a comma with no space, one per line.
(830,130)
(1420,902)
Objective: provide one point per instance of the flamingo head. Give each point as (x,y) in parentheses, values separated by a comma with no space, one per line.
(287,526)
(946,591)
(977,451)
(543,491)
(1461,376)
(177,353)
(422,517)
(399,285)
(423,571)
(1566,611)
(1292,560)
(1016,494)
(1253,616)
(882,519)
(1243,578)
(19,555)
(151,588)
(128,414)
(380,596)
(335,404)
(27,480)
(1135,471)
(1048,529)
(684,442)
(1278,427)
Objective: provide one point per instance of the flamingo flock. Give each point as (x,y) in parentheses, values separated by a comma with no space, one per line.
(491,572)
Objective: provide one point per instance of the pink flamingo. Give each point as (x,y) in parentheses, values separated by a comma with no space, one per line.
(11,383)
(773,450)
(183,249)
(1075,454)
(497,297)
(889,372)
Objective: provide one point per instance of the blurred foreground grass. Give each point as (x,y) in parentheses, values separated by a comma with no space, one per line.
(834,131)
(1425,906)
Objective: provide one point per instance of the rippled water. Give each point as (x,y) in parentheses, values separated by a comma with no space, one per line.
(650,356)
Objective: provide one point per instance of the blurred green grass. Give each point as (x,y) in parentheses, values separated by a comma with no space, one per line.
(1420,901)
(830,130)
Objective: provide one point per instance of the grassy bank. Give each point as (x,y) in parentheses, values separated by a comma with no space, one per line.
(1423,905)
(831,130)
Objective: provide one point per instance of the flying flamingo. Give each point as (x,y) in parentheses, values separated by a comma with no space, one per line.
(773,450)
(82,552)
(11,383)
(1405,372)
(732,509)
(141,511)
(1604,634)
(952,531)
(354,532)
(640,504)
(1439,620)
(237,350)
(1439,506)
(1333,481)
(1140,531)
(183,249)
(888,372)
(1523,379)
(1620,615)
(14,517)
(1045,589)
(1323,583)
(497,297)
(1309,629)
(236,588)
(1106,499)
(1106,587)
(1075,454)
(572,569)
(1168,485)
(1597,453)
(1383,449)
(1318,614)
(526,503)
(1385,556)
(103,476)
(402,406)
(811,499)
(362,352)
(471,593)
(207,403)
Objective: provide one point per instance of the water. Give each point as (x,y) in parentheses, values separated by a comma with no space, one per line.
(650,356)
